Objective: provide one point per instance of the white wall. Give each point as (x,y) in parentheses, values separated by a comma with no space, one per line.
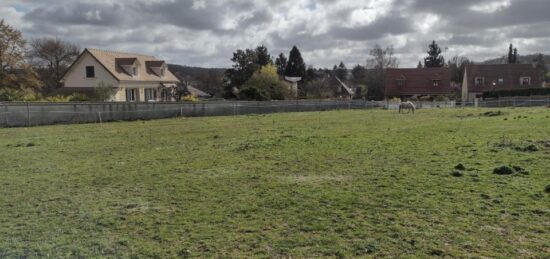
(76,77)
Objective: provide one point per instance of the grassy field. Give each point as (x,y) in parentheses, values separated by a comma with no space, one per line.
(330,184)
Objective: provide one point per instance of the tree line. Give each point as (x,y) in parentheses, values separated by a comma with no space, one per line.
(252,67)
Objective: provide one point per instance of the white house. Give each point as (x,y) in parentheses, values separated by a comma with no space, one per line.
(134,77)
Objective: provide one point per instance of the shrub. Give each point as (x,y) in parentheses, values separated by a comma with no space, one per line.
(103,92)
(78,97)
(394,100)
(457,173)
(57,98)
(547,189)
(190,98)
(460,167)
(516,92)
(265,85)
(503,170)
(13,95)
(425,98)
(441,98)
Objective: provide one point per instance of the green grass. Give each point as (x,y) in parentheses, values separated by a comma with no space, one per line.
(324,184)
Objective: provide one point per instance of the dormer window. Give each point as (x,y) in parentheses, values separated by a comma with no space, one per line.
(436,82)
(129,65)
(525,81)
(158,67)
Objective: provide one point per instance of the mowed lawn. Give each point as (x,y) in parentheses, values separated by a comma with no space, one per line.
(323,184)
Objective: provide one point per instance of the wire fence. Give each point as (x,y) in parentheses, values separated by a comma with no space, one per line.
(18,114)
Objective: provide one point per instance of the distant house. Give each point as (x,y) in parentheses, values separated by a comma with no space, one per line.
(409,82)
(342,90)
(498,77)
(134,77)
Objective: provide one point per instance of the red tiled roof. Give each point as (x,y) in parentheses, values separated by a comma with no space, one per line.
(510,75)
(418,81)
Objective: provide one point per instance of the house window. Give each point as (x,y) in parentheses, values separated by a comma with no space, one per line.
(501,81)
(134,71)
(436,83)
(479,81)
(131,95)
(150,94)
(525,81)
(400,82)
(90,72)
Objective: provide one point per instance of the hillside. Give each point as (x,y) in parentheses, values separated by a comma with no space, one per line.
(209,80)
(527,59)
(194,71)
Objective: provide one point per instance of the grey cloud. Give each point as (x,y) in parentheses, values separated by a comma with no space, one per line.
(79,13)
(388,25)
(181,33)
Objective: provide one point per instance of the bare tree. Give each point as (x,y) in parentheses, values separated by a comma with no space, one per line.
(457,65)
(52,57)
(380,60)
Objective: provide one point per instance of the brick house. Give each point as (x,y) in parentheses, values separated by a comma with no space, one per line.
(408,82)
(479,78)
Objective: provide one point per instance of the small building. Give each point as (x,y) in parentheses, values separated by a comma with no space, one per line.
(343,91)
(408,82)
(133,77)
(479,78)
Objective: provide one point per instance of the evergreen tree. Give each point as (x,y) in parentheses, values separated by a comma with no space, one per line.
(359,74)
(246,62)
(341,71)
(280,62)
(540,65)
(310,74)
(263,57)
(511,54)
(295,66)
(515,60)
(419,64)
(434,58)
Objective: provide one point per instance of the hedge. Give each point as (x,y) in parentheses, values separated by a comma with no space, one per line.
(516,92)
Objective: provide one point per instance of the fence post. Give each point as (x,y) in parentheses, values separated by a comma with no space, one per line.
(28,115)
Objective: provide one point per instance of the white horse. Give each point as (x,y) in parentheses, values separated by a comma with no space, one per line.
(409,106)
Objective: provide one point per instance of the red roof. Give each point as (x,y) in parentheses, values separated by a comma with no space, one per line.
(418,81)
(494,77)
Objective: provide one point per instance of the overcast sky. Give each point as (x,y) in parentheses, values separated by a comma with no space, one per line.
(206,32)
